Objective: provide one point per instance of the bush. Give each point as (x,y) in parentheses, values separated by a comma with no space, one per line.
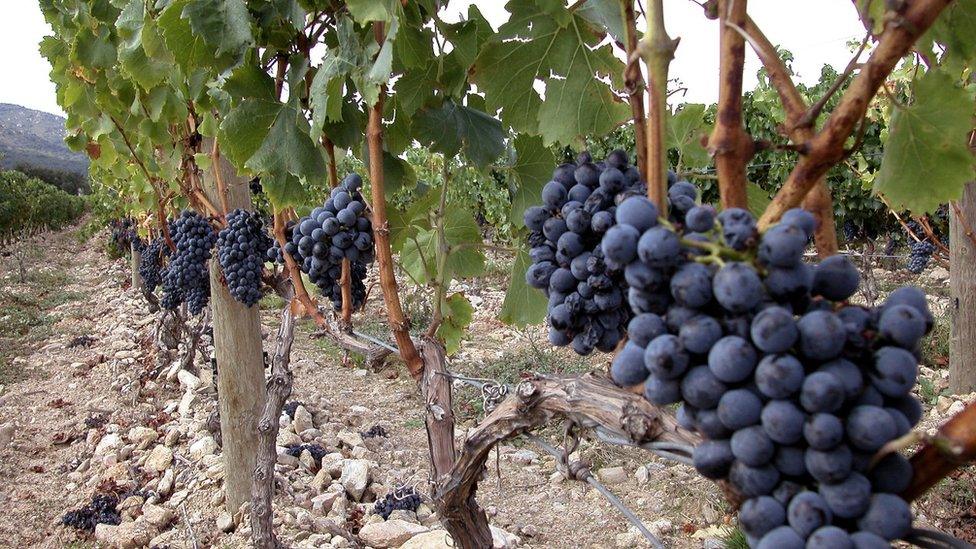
(28,204)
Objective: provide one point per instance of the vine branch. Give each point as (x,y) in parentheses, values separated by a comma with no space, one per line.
(634,84)
(657,51)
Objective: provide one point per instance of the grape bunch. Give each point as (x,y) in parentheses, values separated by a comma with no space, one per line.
(587,306)
(124,234)
(241,249)
(794,389)
(151,264)
(402,498)
(101,510)
(920,253)
(339,229)
(186,278)
(255,186)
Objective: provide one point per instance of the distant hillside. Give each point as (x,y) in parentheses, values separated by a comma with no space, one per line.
(36,138)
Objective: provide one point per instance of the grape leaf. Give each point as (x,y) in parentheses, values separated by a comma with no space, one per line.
(872,14)
(551,44)
(457,314)
(605,14)
(396,172)
(955,29)
(144,70)
(927,160)
(224,24)
(523,304)
(450,127)
(287,148)
(415,87)
(284,190)
(533,166)
(93,50)
(420,253)
(243,129)
(685,129)
(364,11)
(249,81)
(756,199)
(190,50)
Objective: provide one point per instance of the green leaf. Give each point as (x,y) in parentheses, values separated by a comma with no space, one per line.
(450,127)
(756,199)
(457,314)
(927,160)
(224,24)
(189,49)
(553,45)
(605,14)
(94,50)
(144,70)
(287,148)
(364,11)
(523,304)
(249,81)
(685,129)
(284,190)
(413,47)
(415,87)
(326,90)
(348,133)
(396,172)
(420,253)
(467,37)
(532,169)
(956,29)
(244,129)
(872,14)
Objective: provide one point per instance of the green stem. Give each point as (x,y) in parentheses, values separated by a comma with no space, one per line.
(443,251)
(657,51)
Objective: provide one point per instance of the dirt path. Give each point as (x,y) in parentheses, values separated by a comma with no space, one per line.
(81,415)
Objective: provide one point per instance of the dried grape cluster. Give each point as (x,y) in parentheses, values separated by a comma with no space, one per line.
(186,279)
(794,388)
(241,249)
(339,229)
(124,234)
(587,303)
(402,498)
(101,510)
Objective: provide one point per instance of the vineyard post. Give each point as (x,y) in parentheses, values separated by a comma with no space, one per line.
(962,305)
(135,261)
(240,362)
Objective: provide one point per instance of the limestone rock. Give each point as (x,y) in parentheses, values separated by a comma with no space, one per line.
(302,421)
(157,515)
(500,539)
(128,535)
(159,459)
(206,446)
(108,445)
(188,380)
(351,439)
(355,476)
(390,533)
(434,539)
(225,522)
(612,475)
(142,436)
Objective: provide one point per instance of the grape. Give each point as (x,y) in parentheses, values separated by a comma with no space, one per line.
(913,297)
(400,499)
(869,540)
(554,195)
(666,358)
(658,247)
(822,392)
(848,498)
(682,196)
(773,330)
(638,212)
(691,285)
(760,515)
(752,446)
(700,218)
(829,537)
(739,408)
(808,511)
(782,245)
(641,277)
(903,325)
(241,248)
(534,217)
(151,266)
(713,458)
(892,474)
(829,466)
(779,376)
(782,537)
(869,427)
(732,359)
(737,287)
(628,366)
(645,327)
(902,426)
(801,218)
(538,274)
(562,280)
(701,388)
(888,516)
(738,228)
(788,284)
(662,391)
(849,375)
(789,461)
(856,322)
(823,431)
(699,334)
(895,371)
(920,253)
(753,481)
(836,278)
(822,335)
(783,421)
(909,406)
(620,244)
(570,244)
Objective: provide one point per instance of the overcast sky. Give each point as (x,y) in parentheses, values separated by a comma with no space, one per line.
(816,33)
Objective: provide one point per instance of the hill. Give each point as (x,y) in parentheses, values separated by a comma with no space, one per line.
(36,138)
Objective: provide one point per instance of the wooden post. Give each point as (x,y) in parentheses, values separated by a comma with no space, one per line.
(962,285)
(237,347)
(137,284)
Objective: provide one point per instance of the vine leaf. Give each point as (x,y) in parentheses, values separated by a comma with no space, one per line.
(287,148)
(224,24)
(144,70)
(457,314)
(419,255)
(523,304)
(244,128)
(605,14)
(954,28)
(872,14)
(926,160)
(364,11)
(531,171)
(450,127)
(756,199)
(190,50)
(284,190)
(685,129)
(560,48)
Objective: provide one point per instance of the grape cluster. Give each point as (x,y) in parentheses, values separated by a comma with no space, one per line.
(402,498)
(339,229)
(920,253)
(587,306)
(124,234)
(186,278)
(316,450)
(375,431)
(255,186)
(241,249)
(101,510)
(151,263)
(794,389)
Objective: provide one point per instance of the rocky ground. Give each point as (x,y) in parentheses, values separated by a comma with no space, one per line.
(87,407)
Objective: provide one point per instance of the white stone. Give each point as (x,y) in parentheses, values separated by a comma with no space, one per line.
(127,535)
(287,438)
(302,421)
(321,481)
(332,463)
(189,381)
(187,403)
(108,445)
(323,502)
(159,459)
(6,434)
(955,408)
(355,476)
(523,457)
(157,515)
(308,461)
(204,447)
(142,436)
(225,522)
(500,539)
(434,539)
(351,439)
(390,533)
(612,475)
(165,485)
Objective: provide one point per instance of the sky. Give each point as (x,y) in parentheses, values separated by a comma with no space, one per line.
(816,33)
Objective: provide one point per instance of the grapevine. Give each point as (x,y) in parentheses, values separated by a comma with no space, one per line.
(241,249)
(186,278)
